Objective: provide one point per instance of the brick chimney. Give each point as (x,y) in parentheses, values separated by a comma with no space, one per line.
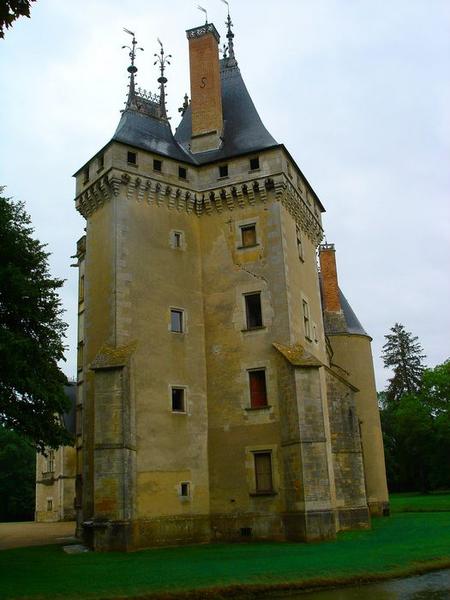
(330,287)
(206,95)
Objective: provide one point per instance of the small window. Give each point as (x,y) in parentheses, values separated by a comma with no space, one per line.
(254,163)
(50,461)
(86,174)
(176,320)
(132,158)
(223,171)
(184,489)
(306,320)
(263,472)
(81,289)
(182,173)
(253,310)
(178,400)
(246,531)
(258,390)
(248,235)
(100,162)
(49,504)
(300,249)
(177,239)
(157,165)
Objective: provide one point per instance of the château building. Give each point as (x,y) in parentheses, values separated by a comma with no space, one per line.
(225,386)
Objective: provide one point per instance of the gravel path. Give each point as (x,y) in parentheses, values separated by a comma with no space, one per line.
(16,535)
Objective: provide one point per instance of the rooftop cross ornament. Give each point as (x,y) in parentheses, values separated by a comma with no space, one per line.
(231,62)
(162,60)
(132,69)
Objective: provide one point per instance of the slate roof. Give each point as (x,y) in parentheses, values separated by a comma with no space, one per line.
(352,321)
(244,131)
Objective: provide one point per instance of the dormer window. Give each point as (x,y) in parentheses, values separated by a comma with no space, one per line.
(223,171)
(132,158)
(182,172)
(157,165)
(254,163)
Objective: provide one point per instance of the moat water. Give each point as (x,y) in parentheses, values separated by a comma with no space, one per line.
(432,586)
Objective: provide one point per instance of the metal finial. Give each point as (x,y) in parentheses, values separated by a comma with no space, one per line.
(162,60)
(185,105)
(204,11)
(232,62)
(132,69)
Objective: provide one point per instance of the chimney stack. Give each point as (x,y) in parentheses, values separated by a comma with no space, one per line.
(206,93)
(330,287)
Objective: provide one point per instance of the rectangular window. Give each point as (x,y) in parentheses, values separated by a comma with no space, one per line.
(300,249)
(263,471)
(223,171)
(184,489)
(253,310)
(86,174)
(176,320)
(306,320)
(178,400)
(254,163)
(177,239)
(132,158)
(157,165)
(49,504)
(248,235)
(182,173)
(100,162)
(258,391)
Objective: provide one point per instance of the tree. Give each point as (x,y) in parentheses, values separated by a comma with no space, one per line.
(10,10)
(31,332)
(403,354)
(17,477)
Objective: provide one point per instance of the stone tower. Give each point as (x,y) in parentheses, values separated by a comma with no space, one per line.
(208,406)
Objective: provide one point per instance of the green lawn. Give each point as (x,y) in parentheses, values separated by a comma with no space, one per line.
(416,502)
(392,545)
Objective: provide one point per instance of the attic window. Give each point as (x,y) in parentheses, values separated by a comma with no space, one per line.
(157,165)
(182,173)
(223,171)
(132,158)
(254,163)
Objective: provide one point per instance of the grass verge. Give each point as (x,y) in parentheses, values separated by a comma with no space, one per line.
(417,502)
(400,545)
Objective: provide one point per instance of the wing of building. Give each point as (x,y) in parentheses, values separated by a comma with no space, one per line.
(225,388)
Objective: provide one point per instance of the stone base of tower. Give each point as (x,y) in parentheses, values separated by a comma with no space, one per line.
(379,509)
(353,518)
(310,526)
(109,536)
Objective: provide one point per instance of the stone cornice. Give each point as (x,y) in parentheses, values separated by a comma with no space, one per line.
(148,190)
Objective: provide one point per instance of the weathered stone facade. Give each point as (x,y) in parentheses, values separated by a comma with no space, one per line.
(208,407)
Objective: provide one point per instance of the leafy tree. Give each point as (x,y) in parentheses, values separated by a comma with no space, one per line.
(416,433)
(17,477)
(31,331)
(403,354)
(10,10)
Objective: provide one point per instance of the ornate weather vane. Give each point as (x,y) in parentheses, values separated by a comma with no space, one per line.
(204,11)
(163,60)
(132,69)
(232,62)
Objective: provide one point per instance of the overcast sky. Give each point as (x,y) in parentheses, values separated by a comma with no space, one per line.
(358,91)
